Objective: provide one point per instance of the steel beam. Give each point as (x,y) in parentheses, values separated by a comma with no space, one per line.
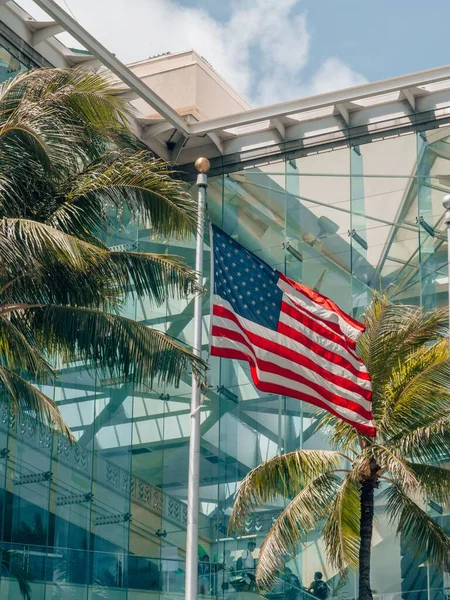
(218,142)
(410,98)
(279,126)
(339,97)
(115,65)
(343,111)
(44,31)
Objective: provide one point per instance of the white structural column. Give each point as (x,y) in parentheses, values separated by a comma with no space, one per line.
(446,203)
(202,165)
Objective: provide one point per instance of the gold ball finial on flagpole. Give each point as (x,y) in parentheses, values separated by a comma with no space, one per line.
(202,164)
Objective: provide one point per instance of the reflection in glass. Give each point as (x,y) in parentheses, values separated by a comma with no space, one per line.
(108,514)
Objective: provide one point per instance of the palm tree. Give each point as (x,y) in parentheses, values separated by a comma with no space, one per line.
(407,354)
(10,566)
(70,167)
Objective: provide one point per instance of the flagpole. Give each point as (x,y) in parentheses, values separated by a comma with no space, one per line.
(446,203)
(202,165)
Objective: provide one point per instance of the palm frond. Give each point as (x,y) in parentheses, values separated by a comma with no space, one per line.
(38,243)
(423,534)
(80,94)
(89,95)
(433,480)
(429,442)
(114,344)
(341,434)
(154,274)
(54,122)
(418,388)
(392,333)
(299,517)
(10,564)
(18,354)
(59,283)
(280,477)
(389,462)
(145,185)
(23,136)
(341,531)
(99,279)
(24,398)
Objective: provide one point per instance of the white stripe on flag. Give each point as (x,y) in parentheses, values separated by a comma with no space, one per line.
(262,354)
(316,338)
(291,344)
(278,380)
(327,315)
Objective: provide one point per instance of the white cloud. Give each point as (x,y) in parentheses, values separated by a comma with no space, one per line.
(333,75)
(261,52)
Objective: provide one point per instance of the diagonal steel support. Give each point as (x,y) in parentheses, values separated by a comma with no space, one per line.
(115,65)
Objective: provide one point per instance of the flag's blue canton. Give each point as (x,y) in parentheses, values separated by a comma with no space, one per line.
(245,281)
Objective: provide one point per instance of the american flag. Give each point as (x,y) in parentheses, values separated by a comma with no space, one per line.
(297,342)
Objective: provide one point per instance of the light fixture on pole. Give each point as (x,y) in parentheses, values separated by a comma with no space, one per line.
(202,165)
(446,203)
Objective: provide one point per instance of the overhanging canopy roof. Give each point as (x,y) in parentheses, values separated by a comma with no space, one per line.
(306,124)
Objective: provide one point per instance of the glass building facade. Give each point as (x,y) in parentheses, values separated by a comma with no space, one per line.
(16,56)
(106,517)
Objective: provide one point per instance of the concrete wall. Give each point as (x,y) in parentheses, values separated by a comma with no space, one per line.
(189,85)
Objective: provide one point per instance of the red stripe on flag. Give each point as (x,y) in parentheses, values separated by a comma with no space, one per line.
(293,356)
(302,316)
(329,324)
(321,351)
(270,367)
(283,391)
(324,302)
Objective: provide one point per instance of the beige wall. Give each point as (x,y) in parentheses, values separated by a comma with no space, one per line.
(189,85)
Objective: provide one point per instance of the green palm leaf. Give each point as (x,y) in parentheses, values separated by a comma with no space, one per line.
(137,180)
(67,160)
(26,245)
(429,442)
(433,480)
(280,477)
(419,387)
(424,535)
(391,463)
(341,529)
(17,352)
(393,331)
(157,275)
(112,343)
(299,517)
(43,259)
(24,398)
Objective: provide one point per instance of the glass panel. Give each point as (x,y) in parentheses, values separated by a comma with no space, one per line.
(108,514)
(10,66)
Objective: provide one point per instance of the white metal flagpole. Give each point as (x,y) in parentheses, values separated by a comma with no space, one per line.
(202,165)
(446,203)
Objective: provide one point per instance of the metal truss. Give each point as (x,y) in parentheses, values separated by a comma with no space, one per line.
(307,124)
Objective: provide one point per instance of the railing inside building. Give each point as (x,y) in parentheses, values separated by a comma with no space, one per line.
(67,571)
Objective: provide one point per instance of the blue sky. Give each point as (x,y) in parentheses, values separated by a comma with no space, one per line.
(380,39)
(277,50)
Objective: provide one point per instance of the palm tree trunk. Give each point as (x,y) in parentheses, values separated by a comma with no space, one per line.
(366,529)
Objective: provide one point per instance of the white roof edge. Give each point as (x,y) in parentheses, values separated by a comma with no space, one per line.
(322,100)
(281,126)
